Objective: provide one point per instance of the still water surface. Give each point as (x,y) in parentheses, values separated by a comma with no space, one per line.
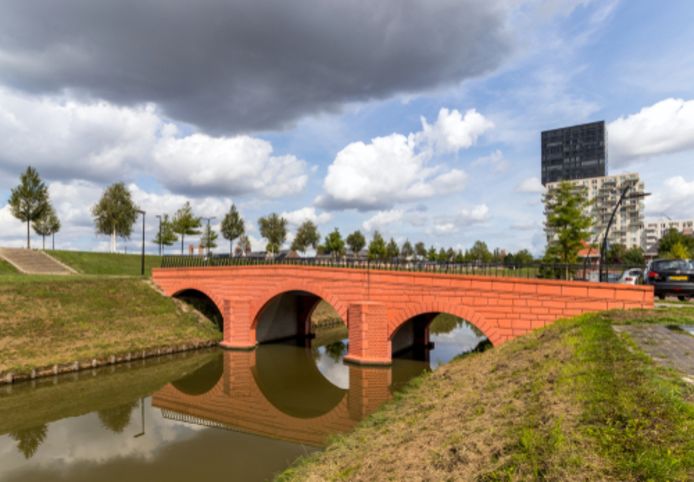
(201,416)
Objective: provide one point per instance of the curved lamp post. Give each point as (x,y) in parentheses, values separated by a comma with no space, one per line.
(603,248)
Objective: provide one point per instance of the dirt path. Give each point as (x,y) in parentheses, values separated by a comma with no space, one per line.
(673,348)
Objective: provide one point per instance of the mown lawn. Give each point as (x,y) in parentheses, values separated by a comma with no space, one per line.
(107,263)
(574,401)
(6,268)
(53,320)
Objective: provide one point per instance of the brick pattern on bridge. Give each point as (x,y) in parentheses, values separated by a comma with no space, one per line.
(374,304)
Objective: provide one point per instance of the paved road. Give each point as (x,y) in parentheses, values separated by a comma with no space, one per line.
(669,347)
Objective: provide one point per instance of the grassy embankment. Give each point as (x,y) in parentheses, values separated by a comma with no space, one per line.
(106,263)
(61,319)
(574,401)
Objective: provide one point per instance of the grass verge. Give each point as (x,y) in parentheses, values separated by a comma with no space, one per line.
(106,263)
(6,268)
(574,401)
(55,320)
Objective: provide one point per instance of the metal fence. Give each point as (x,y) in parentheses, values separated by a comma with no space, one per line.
(575,272)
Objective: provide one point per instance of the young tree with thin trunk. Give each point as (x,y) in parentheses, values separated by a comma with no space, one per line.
(115,213)
(274,229)
(306,235)
(334,244)
(392,249)
(209,238)
(165,235)
(356,242)
(186,223)
(29,200)
(377,247)
(407,251)
(567,223)
(47,225)
(233,226)
(420,250)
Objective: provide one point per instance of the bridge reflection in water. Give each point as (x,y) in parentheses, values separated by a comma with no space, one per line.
(278,391)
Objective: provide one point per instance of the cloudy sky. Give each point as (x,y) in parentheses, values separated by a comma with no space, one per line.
(418,118)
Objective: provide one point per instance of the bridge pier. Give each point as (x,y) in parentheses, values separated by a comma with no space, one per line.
(238,332)
(368,334)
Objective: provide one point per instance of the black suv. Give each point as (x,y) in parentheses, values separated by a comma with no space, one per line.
(672,277)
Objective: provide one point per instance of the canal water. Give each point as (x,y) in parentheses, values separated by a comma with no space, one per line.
(208,415)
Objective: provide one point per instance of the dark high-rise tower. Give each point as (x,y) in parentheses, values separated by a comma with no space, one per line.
(575,152)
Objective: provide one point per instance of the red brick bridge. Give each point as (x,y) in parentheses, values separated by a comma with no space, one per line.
(385,311)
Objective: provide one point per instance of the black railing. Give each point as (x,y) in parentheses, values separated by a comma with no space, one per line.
(575,272)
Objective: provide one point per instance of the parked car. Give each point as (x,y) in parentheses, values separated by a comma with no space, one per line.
(672,277)
(631,276)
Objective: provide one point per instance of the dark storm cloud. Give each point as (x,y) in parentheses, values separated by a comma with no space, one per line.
(230,66)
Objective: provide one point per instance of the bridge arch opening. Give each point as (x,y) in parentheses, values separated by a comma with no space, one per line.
(202,379)
(202,303)
(436,337)
(296,315)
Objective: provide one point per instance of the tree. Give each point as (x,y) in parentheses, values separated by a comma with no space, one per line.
(306,235)
(209,238)
(459,257)
(634,257)
(567,224)
(479,253)
(274,229)
(29,439)
(165,235)
(334,244)
(356,242)
(377,247)
(185,223)
(392,249)
(431,254)
(243,247)
(679,251)
(115,213)
(671,237)
(616,253)
(420,250)
(29,200)
(118,417)
(233,226)
(442,256)
(407,251)
(47,225)
(523,257)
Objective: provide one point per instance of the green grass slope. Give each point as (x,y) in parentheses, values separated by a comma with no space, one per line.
(106,263)
(45,321)
(574,401)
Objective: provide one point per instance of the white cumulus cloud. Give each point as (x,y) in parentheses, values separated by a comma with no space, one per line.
(476,214)
(299,216)
(531,185)
(664,127)
(396,168)
(674,199)
(383,218)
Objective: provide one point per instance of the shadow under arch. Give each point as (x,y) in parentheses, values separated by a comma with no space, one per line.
(287,315)
(202,379)
(290,380)
(203,303)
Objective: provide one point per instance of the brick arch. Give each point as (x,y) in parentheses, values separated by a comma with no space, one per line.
(467,314)
(263,299)
(218,302)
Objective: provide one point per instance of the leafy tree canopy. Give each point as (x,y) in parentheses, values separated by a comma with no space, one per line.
(233,226)
(29,200)
(479,252)
(377,247)
(274,229)
(679,251)
(356,242)
(115,213)
(209,238)
(306,235)
(186,223)
(420,250)
(407,251)
(334,244)
(243,247)
(431,254)
(567,223)
(47,225)
(166,235)
(392,249)
(671,237)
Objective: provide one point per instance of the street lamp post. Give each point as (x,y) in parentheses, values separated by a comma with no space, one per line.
(158,216)
(142,259)
(208,233)
(603,248)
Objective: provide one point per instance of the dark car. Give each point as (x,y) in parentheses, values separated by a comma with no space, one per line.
(672,277)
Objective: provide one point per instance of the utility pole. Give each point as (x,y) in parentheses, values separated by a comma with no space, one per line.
(142,260)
